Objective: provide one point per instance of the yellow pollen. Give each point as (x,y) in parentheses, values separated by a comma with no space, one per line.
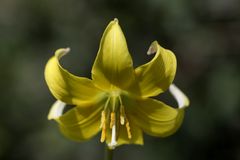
(122,120)
(128,130)
(103,119)
(103,134)
(122,115)
(113,119)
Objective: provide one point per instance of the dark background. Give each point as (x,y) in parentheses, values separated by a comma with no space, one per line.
(205,36)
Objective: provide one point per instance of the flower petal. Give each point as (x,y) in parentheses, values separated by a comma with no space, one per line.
(136,132)
(113,66)
(67,87)
(155,76)
(156,118)
(122,135)
(79,123)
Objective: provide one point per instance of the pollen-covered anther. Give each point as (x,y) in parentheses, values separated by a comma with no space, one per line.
(103,126)
(128,129)
(103,119)
(122,120)
(103,134)
(113,119)
(122,115)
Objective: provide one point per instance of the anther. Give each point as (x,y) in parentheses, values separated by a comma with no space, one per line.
(122,119)
(113,119)
(122,114)
(103,119)
(103,134)
(128,130)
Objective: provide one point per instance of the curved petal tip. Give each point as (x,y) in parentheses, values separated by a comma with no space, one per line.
(62,51)
(153,48)
(180,97)
(56,110)
(115,20)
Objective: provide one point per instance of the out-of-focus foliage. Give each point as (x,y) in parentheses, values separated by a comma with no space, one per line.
(205,36)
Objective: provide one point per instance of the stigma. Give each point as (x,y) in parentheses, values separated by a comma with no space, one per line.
(113,142)
(113,117)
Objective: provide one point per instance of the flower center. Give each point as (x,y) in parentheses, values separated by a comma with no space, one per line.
(112,118)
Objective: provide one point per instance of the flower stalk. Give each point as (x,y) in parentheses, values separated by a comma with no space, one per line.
(108,153)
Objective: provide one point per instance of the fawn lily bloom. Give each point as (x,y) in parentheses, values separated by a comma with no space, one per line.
(116,101)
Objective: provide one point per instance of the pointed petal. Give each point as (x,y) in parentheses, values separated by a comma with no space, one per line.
(67,87)
(157,118)
(79,123)
(155,76)
(113,65)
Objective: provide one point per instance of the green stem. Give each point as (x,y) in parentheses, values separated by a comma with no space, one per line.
(108,153)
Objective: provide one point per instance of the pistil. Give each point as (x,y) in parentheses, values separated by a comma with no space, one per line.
(113,142)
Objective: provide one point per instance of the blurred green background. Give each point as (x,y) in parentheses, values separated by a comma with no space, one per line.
(205,36)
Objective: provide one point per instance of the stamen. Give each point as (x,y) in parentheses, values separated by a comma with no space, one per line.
(113,119)
(122,119)
(122,112)
(128,130)
(103,126)
(103,122)
(113,142)
(103,119)
(103,134)
(122,115)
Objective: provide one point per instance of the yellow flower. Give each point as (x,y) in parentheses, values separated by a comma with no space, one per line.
(117,100)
